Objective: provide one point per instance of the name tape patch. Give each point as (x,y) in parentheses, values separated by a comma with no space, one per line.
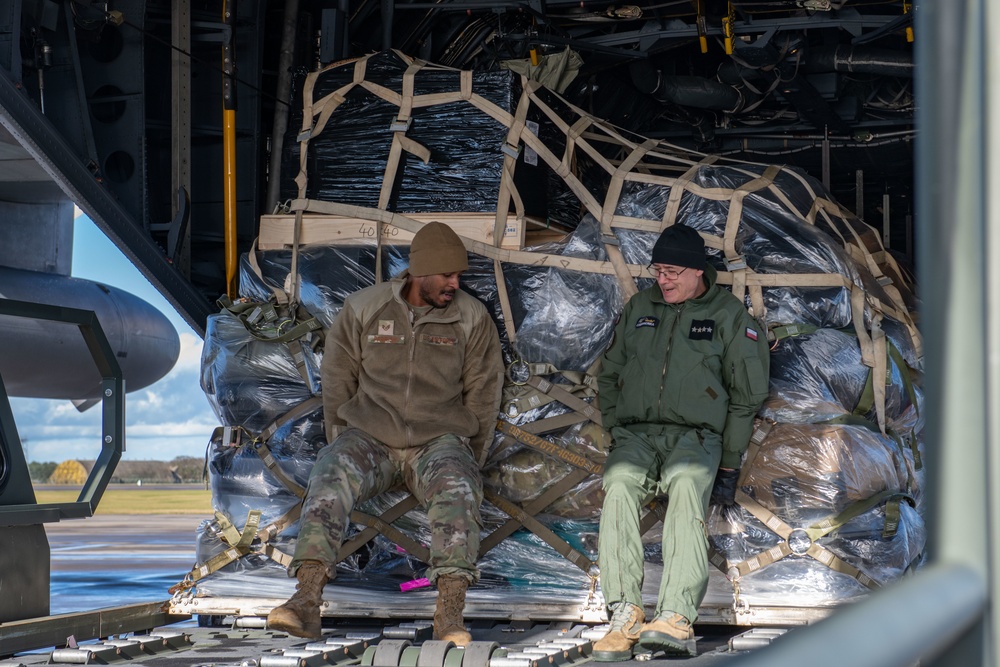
(392,340)
(438,340)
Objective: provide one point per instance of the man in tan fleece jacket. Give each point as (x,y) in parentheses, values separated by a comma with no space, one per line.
(412,375)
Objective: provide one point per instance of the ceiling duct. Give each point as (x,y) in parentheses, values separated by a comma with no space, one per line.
(860,59)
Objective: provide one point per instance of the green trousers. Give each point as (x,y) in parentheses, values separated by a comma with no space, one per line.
(680,464)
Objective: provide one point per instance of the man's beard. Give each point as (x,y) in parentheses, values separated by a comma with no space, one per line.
(435,299)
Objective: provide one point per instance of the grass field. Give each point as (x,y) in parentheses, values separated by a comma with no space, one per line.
(140,501)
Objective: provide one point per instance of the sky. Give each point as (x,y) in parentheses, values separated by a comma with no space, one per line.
(167,419)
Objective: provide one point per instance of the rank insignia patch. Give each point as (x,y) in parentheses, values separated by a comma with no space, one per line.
(701,329)
(647,321)
(385,327)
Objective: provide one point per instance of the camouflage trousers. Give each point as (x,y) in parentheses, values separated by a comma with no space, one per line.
(442,475)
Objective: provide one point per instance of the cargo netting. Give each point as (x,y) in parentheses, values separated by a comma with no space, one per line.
(829,503)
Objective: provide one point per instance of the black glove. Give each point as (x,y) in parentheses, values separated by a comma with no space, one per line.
(724,489)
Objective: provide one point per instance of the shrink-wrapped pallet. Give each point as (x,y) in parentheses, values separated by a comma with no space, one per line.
(828,492)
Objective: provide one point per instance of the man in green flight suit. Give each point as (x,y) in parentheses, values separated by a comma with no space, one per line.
(679,388)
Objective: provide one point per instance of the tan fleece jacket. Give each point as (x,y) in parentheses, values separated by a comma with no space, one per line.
(406,385)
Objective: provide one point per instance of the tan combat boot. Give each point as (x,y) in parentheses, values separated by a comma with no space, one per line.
(669,632)
(449,625)
(616,646)
(300,615)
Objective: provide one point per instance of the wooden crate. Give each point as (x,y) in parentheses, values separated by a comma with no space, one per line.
(276,231)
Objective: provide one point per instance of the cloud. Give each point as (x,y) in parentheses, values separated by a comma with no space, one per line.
(170,418)
(190,356)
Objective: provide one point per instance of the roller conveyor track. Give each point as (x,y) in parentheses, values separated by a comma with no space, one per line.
(244,642)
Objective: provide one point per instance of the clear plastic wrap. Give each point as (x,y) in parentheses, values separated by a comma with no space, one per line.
(820,376)
(251,382)
(799,580)
(805,472)
(569,316)
(818,461)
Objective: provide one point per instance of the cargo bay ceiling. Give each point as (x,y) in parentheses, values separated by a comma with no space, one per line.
(121,103)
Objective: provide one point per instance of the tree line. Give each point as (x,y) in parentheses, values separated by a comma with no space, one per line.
(181,470)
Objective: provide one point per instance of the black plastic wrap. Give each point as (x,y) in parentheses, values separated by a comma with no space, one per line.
(346,162)
(250,382)
(327,274)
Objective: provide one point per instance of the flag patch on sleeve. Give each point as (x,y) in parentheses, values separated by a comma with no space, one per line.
(751,333)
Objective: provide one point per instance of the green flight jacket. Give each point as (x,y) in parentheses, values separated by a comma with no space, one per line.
(701,364)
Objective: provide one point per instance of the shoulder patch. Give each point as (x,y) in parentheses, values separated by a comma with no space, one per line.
(647,321)
(751,333)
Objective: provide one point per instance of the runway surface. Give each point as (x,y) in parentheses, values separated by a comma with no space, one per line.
(112,559)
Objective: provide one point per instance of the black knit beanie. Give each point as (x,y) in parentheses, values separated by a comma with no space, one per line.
(436,248)
(679,245)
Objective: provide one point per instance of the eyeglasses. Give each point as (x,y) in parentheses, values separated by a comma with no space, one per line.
(671,274)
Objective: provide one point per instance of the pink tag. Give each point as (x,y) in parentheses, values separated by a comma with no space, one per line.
(416,583)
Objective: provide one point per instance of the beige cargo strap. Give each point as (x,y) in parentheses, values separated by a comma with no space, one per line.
(550,448)
(301,410)
(507,191)
(625,280)
(657,510)
(387,517)
(400,141)
(266,534)
(232,436)
(279,295)
(584,384)
(541,530)
(268,459)
(764,181)
(241,543)
(677,192)
(586,379)
(788,534)
(524,398)
(392,533)
(867,399)
(259,441)
(505,307)
(238,541)
(284,521)
(539,504)
(566,398)
(549,424)
(761,429)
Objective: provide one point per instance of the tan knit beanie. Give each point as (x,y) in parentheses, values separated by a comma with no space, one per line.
(436,249)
